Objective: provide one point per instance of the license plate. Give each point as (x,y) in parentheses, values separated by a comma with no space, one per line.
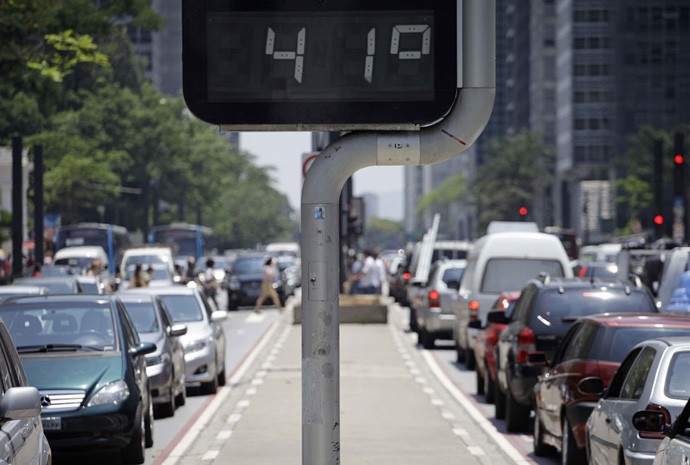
(52,423)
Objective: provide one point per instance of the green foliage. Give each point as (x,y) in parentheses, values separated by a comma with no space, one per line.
(450,191)
(72,83)
(384,234)
(517,171)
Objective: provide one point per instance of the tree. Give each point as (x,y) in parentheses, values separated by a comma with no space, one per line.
(517,172)
(385,234)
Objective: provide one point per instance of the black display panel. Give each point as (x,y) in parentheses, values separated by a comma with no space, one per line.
(319,63)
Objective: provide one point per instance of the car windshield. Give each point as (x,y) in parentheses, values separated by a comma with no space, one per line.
(248,265)
(613,343)
(58,286)
(557,310)
(144,260)
(143,315)
(511,274)
(183,308)
(53,326)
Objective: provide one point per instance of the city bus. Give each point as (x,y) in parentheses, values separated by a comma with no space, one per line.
(186,240)
(113,238)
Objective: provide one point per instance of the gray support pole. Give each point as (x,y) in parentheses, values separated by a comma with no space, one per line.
(320,221)
(17,208)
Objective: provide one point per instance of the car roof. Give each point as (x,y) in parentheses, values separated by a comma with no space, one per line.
(638,319)
(671,341)
(62,298)
(168,290)
(580,283)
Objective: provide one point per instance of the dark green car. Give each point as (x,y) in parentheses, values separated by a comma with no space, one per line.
(85,357)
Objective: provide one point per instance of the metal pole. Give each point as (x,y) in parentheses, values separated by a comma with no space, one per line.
(17,208)
(38,204)
(320,217)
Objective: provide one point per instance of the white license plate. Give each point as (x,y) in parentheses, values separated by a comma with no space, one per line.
(52,423)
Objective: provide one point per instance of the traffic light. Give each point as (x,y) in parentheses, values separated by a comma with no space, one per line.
(678,166)
(523,212)
(658,225)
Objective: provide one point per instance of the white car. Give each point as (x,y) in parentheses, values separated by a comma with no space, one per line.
(22,439)
(675,447)
(204,343)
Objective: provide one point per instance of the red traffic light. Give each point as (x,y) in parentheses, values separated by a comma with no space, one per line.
(522,211)
(658,220)
(678,159)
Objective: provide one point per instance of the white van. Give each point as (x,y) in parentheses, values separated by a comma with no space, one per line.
(156,256)
(79,258)
(501,262)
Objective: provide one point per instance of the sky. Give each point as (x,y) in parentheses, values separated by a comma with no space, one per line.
(283,151)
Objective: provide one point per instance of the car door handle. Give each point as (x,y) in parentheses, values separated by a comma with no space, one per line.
(607,420)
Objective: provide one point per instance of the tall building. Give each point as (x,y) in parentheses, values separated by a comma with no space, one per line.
(620,65)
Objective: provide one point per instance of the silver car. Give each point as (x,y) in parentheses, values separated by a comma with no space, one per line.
(22,438)
(165,367)
(435,321)
(204,343)
(675,445)
(654,376)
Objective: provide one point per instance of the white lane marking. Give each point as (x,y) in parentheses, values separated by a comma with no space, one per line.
(224,434)
(243,404)
(251,391)
(476,450)
(437,402)
(255,317)
(448,415)
(210,455)
(476,415)
(234,418)
(196,429)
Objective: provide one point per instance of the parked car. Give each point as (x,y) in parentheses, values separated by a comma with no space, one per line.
(594,346)
(55,284)
(22,440)
(654,376)
(485,345)
(244,280)
(501,262)
(80,258)
(14,290)
(204,343)
(422,259)
(675,446)
(543,314)
(433,321)
(166,366)
(83,354)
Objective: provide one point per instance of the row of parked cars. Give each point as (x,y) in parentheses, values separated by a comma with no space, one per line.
(589,365)
(98,368)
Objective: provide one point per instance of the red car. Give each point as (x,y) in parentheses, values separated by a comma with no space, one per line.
(485,347)
(594,347)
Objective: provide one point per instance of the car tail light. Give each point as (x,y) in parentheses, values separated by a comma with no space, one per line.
(434,299)
(667,421)
(473,306)
(492,336)
(526,343)
(407,276)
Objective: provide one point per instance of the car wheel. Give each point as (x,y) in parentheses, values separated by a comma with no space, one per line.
(211,387)
(500,402)
(413,321)
(168,409)
(133,453)
(470,362)
(427,339)
(489,387)
(480,383)
(517,416)
(541,449)
(221,376)
(459,354)
(570,453)
(181,397)
(148,425)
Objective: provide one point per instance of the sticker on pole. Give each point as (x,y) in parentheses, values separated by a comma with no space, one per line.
(319,213)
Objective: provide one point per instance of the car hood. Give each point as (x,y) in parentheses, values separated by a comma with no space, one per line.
(74,372)
(249,277)
(196,330)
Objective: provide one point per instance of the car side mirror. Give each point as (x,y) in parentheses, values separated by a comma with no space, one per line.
(177,330)
(592,385)
(537,359)
(142,348)
(650,422)
(475,324)
(219,315)
(19,403)
(498,317)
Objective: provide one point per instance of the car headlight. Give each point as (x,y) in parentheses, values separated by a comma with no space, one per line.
(161,359)
(195,346)
(113,393)
(234,283)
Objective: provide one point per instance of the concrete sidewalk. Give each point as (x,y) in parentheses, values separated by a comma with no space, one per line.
(386,416)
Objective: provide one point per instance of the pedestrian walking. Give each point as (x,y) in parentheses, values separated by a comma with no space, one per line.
(139,278)
(268,274)
(210,282)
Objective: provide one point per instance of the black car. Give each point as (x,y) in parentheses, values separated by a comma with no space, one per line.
(84,355)
(243,282)
(545,311)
